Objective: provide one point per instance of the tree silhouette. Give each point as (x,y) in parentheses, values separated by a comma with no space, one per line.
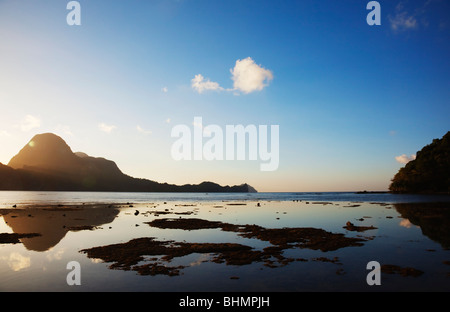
(428,173)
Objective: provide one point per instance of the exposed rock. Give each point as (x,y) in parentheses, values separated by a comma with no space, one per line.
(395,269)
(351,227)
(14,238)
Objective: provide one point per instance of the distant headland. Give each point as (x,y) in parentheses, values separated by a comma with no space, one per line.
(47,163)
(428,173)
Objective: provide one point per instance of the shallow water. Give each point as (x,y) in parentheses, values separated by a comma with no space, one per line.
(9,198)
(414,235)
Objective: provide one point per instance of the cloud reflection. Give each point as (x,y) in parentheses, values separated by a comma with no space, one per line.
(406,223)
(16,261)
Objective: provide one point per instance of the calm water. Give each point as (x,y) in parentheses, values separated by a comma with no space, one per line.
(7,199)
(407,232)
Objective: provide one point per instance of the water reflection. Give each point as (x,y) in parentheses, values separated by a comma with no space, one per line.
(406,223)
(16,261)
(277,246)
(53,223)
(432,218)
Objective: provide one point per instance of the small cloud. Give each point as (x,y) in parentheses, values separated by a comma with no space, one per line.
(30,122)
(106,128)
(165,90)
(392,133)
(403,159)
(249,76)
(418,16)
(201,85)
(143,131)
(403,21)
(168,120)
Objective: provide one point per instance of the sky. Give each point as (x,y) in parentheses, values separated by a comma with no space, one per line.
(353,102)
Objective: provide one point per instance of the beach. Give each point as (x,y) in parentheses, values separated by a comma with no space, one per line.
(225,245)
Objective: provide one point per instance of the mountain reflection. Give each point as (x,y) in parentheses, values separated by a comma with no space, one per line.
(432,218)
(53,223)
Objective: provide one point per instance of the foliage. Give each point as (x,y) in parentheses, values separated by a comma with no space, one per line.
(429,172)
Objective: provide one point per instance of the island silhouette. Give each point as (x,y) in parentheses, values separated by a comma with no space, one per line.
(429,172)
(47,163)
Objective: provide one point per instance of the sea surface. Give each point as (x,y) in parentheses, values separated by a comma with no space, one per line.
(9,198)
(290,242)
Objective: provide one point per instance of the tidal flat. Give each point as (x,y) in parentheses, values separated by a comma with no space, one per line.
(226,245)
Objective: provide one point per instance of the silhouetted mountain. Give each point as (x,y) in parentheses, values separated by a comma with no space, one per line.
(429,172)
(47,163)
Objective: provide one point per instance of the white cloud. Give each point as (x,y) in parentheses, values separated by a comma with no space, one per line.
(30,122)
(403,159)
(200,85)
(165,90)
(403,21)
(106,128)
(143,131)
(411,18)
(249,77)
(168,120)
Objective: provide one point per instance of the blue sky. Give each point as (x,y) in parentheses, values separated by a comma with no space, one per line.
(348,97)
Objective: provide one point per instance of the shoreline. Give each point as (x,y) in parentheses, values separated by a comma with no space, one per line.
(18,200)
(193,202)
